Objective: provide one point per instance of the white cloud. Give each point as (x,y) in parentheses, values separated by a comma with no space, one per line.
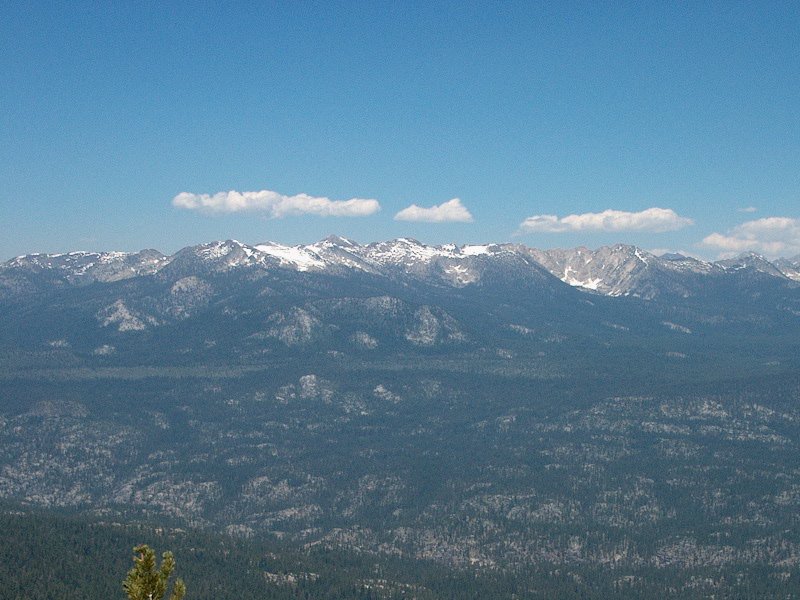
(652,219)
(451,211)
(771,236)
(275,205)
(748,209)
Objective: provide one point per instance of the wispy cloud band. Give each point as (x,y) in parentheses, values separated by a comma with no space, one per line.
(654,219)
(275,205)
(451,211)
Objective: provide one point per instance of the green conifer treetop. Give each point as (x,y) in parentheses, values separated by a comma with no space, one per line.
(146,581)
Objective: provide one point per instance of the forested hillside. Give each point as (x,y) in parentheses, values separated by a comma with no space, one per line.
(68,558)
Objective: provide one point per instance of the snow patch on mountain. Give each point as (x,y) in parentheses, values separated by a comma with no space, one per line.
(591,284)
(479,250)
(338,252)
(301,258)
(618,270)
(460,275)
(81,267)
(406,251)
(217,250)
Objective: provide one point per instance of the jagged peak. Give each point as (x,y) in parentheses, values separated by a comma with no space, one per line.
(617,269)
(67,260)
(628,249)
(751,255)
(746,259)
(338,240)
(405,250)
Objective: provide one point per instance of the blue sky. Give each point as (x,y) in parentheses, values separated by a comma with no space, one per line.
(127,125)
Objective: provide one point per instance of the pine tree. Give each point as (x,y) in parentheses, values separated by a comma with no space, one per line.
(146,581)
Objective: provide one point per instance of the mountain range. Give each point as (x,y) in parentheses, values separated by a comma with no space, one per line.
(227,299)
(599,413)
(618,270)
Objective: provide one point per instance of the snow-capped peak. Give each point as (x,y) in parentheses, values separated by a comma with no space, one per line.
(341,242)
(404,251)
(301,258)
(618,270)
(478,250)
